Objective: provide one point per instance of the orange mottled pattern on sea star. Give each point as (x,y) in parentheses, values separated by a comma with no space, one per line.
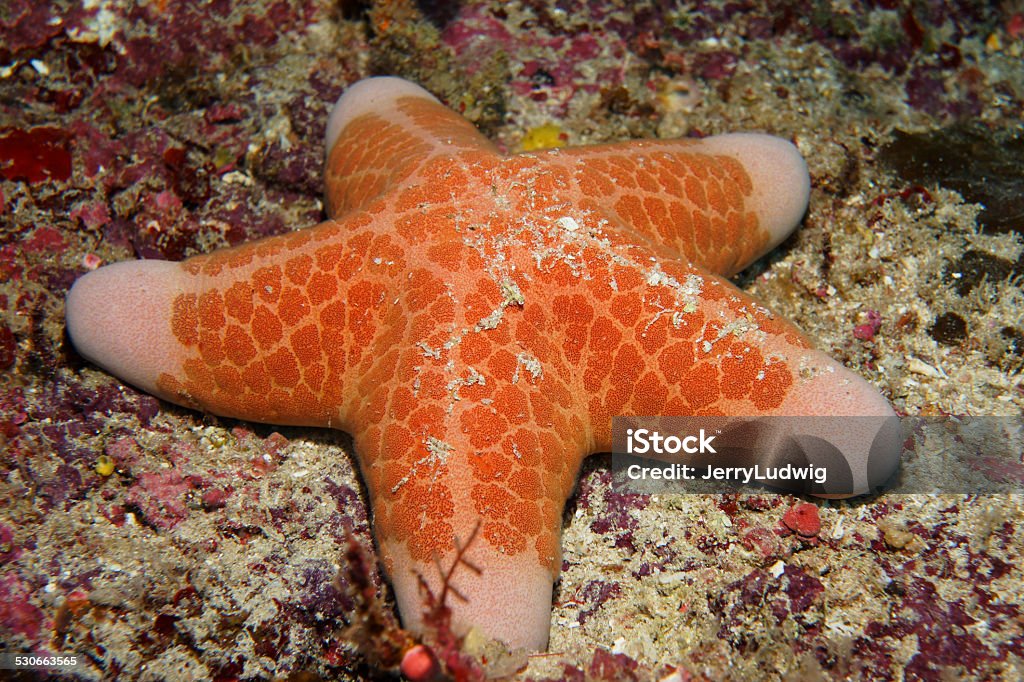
(475,321)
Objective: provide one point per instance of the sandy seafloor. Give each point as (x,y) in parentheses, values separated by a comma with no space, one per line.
(209,551)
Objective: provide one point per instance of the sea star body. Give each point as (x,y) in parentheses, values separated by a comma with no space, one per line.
(475,320)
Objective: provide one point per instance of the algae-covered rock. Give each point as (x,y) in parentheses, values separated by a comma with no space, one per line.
(982,165)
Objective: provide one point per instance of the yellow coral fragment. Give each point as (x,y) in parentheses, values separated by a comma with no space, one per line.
(547,136)
(104,465)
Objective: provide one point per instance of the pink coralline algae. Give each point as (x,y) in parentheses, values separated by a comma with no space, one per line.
(765,542)
(8,347)
(17,613)
(124,451)
(716,65)
(477,37)
(867,330)
(160,497)
(215,498)
(35,155)
(803,520)
(604,666)
(222,25)
(43,240)
(25,24)
(608,666)
(9,551)
(92,215)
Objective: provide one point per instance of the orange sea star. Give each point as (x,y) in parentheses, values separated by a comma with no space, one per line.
(475,320)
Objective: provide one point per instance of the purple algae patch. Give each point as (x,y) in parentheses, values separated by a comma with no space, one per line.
(318,600)
(593,596)
(940,627)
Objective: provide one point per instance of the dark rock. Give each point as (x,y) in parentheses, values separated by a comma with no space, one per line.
(949,328)
(982,165)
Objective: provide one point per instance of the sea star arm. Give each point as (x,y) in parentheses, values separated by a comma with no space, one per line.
(381,134)
(720,202)
(648,335)
(271,331)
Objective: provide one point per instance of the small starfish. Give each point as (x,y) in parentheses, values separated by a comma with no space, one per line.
(475,320)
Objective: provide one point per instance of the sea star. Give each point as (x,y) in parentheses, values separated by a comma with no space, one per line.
(475,320)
